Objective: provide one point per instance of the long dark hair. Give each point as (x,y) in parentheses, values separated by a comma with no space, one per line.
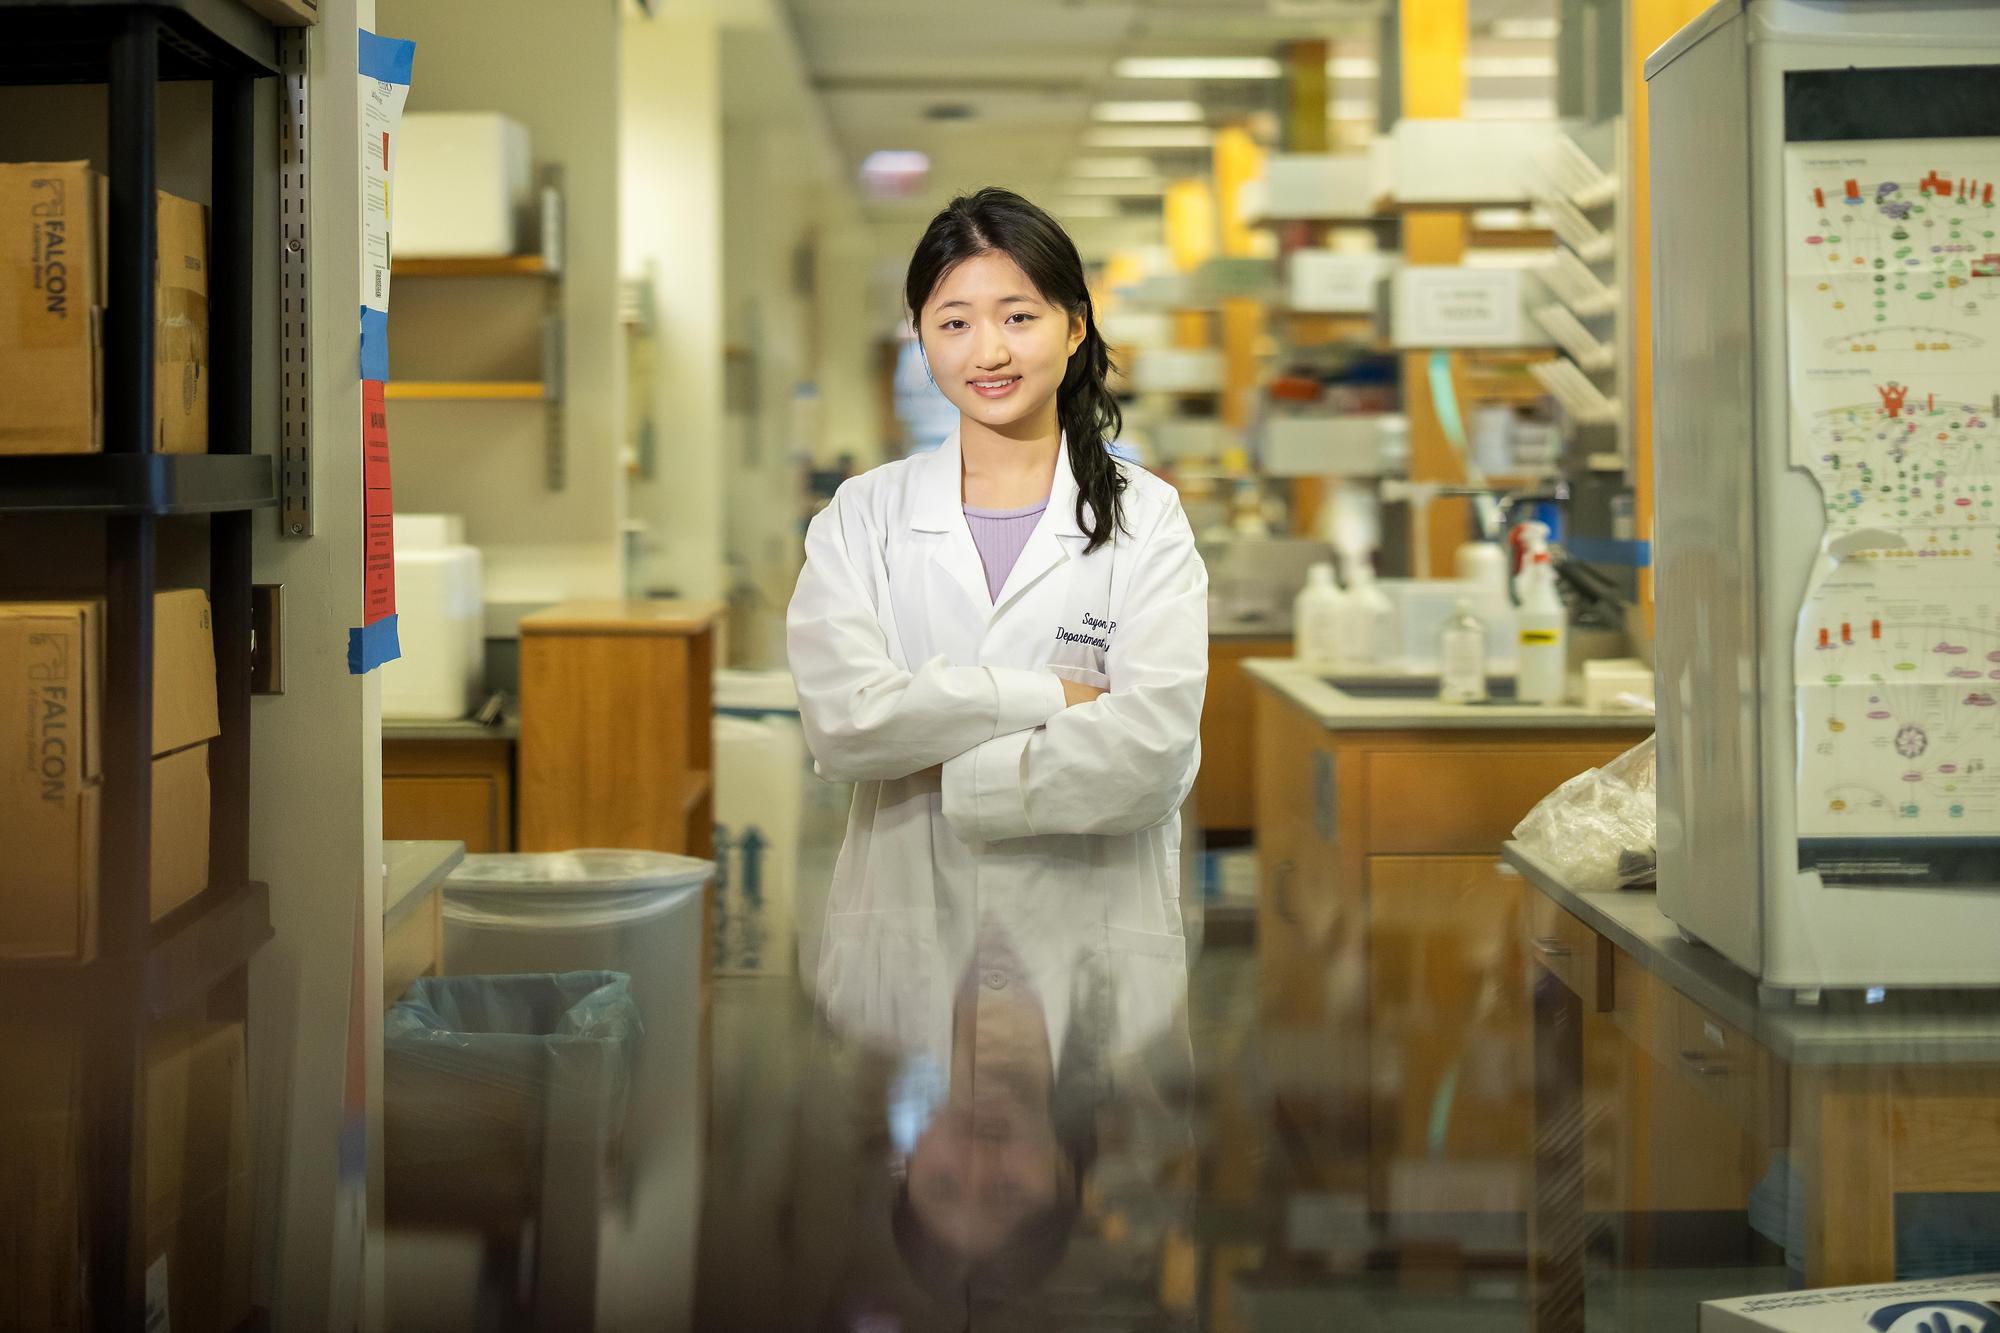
(1000,221)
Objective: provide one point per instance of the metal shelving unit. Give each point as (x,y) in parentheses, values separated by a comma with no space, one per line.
(145,969)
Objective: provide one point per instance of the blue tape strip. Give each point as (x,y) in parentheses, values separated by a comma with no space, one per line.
(374,344)
(372,645)
(1444,398)
(387,58)
(1606,551)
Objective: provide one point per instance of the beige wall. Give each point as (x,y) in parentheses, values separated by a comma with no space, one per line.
(555,68)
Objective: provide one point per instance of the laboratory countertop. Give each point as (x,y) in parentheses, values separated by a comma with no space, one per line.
(410,870)
(508,728)
(1338,710)
(1906,1027)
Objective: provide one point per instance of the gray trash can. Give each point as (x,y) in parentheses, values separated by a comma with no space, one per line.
(638,913)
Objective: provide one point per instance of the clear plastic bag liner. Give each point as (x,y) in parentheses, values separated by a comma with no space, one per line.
(1581,829)
(580,890)
(485,1076)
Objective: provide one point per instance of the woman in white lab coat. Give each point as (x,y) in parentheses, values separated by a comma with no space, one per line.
(1022,731)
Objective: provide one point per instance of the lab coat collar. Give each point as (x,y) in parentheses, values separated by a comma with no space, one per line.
(940,508)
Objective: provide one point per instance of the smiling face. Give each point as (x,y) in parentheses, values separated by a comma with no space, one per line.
(997,347)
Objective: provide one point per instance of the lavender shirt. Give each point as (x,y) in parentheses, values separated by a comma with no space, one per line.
(1000,534)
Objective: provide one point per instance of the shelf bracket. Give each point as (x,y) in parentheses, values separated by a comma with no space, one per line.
(295,510)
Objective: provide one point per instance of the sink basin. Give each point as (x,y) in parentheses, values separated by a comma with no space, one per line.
(1499,688)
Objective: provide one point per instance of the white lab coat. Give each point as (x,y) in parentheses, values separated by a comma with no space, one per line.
(976,790)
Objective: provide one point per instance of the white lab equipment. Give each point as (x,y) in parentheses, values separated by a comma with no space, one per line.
(1366,619)
(440,622)
(1829,767)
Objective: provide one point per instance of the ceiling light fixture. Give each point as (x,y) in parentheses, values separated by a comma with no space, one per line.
(1158,136)
(1196,67)
(1148,112)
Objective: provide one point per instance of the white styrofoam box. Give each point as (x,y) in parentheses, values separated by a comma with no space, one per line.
(1446,306)
(428,531)
(1900,1307)
(1422,607)
(739,690)
(464,183)
(1319,185)
(1322,445)
(1188,437)
(440,623)
(1178,370)
(1331,282)
(1467,161)
(1606,678)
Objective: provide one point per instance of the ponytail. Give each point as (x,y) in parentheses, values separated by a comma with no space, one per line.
(1090,421)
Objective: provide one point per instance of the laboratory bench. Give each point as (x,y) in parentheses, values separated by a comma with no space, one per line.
(1392,938)
(450,780)
(1670,1103)
(413,876)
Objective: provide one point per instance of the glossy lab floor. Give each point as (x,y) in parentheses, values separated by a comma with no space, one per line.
(1211,1176)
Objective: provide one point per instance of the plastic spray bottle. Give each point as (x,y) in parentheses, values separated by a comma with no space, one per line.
(1544,623)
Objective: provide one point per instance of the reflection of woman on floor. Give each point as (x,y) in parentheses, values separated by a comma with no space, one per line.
(1021,1173)
(990,1189)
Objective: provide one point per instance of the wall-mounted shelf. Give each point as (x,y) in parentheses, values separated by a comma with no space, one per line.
(1583,347)
(44,43)
(466,391)
(1579,396)
(497,266)
(159,484)
(546,266)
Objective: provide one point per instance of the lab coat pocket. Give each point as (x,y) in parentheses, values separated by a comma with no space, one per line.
(877,981)
(1148,983)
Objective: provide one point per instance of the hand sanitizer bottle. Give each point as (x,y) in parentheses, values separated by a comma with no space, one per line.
(1462,658)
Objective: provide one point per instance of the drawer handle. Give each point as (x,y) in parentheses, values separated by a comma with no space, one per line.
(1548,946)
(1281,895)
(1698,1062)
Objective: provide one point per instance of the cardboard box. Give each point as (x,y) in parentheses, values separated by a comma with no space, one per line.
(197,1173)
(1892,1307)
(53,289)
(51,681)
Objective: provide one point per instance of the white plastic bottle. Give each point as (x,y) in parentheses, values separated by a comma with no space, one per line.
(1368,625)
(1544,665)
(1317,613)
(1462,657)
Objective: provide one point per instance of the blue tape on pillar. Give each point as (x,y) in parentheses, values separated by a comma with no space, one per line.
(372,645)
(387,58)
(1605,551)
(374,344)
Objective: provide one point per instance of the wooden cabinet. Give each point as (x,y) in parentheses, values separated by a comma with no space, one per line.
(1389,928)
(1224,789)
(616,726)
(452,791)
(1450,1035)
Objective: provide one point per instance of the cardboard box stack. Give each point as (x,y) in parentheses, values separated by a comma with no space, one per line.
(53,293)
(197,1236)
(51,713)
